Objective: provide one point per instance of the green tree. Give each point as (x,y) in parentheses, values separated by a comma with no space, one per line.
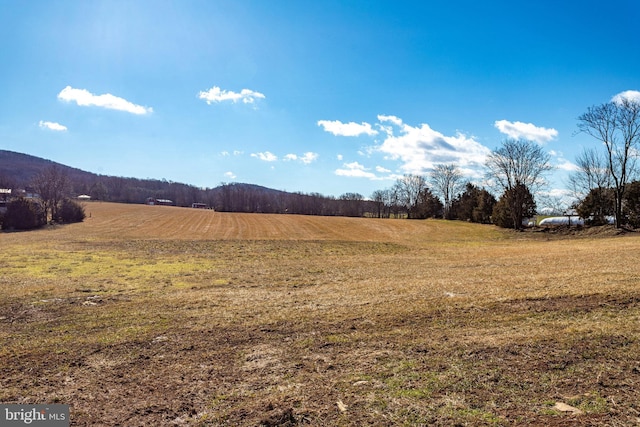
(597,205)
(513,207)
(484,208)
(474,204)
(427,205)
(632,203)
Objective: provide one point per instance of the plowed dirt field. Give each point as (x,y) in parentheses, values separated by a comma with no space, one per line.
(154,316)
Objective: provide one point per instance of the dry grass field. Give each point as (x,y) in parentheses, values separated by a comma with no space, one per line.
(154,316)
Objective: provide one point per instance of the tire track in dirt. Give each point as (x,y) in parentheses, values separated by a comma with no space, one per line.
(141,221)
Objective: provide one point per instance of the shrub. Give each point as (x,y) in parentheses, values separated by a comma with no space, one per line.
(23,214)
(597,205)
(501,214)
(631,204)
(70,211)
(513,207)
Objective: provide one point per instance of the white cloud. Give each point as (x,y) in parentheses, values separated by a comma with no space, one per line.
(559,193)
(561,163)
(338,128)
(225,153)
(356,170)
(629,95)
(216,94)
(309,157)
(526,130)
(420,148)
(230,175)
(52,126)
(306,158)
(339,157)
(380,169)
(266,156)
(85,98)
(566,165)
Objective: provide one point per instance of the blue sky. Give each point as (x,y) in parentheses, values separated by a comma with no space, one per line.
(312,96)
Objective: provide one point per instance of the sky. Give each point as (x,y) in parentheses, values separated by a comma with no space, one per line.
(327,97)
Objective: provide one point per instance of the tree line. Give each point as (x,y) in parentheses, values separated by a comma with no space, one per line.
(605,184)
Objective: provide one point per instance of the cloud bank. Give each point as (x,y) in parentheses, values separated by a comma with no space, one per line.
(84,98)
(420,148)
(306,158)
(417,148)
(266,156)
(526,130)
(52,126)
(216,94)
(338,128)
(356,170)
(629,95)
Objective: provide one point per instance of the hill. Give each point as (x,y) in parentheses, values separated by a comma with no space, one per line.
(17,170)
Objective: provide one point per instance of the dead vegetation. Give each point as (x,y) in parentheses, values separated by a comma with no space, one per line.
(168,316)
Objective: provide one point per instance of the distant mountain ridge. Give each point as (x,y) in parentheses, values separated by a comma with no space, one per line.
(18,170)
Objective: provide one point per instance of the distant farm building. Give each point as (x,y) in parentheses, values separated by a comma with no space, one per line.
(569,220)
(84,197)
(5,195)
(561,220)
(162,202)
(199,205)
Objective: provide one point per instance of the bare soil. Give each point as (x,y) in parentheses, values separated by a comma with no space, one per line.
(286,321)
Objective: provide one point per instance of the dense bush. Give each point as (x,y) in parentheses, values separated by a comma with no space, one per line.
(475,205)
(631,204)
(23,214)
(597,205)
(427,206)
(70,211)
(514,206)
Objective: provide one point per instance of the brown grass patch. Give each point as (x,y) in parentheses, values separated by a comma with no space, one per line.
(151,315)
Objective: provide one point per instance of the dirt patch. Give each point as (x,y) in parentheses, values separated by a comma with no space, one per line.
(396,323)
(571,303)
(579,231)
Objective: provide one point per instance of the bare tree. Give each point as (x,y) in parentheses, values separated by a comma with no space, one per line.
(51,184)
(591,183)
(409,189)
(617,125)
(446,181)
(352,204)
(518,164)
(592,173)
(378,198)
